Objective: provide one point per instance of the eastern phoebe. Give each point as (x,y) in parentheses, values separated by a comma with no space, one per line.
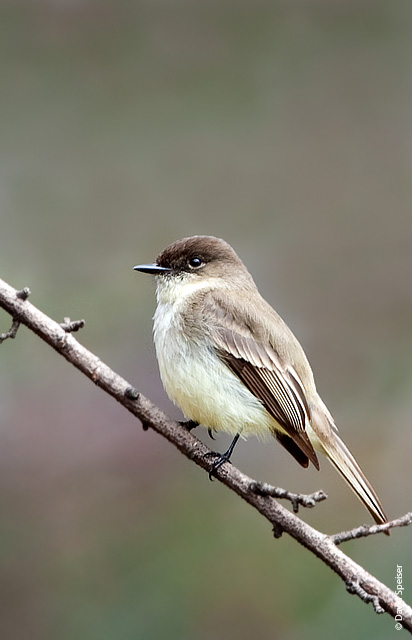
(230,362)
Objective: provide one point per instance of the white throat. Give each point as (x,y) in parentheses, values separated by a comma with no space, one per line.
(175,290)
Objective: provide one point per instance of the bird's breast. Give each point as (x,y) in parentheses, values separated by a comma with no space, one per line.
(197,381)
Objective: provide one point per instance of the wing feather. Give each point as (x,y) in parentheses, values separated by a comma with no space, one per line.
(260,368)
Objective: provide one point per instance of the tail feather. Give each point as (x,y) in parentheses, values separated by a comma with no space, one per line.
(345,463)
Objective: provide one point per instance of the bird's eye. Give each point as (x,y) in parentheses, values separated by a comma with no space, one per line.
(195,262)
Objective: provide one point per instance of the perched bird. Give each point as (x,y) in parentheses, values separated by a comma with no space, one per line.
(228,360)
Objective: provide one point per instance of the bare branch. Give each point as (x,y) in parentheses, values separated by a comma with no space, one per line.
(370,530)
(355,577)
(297,499)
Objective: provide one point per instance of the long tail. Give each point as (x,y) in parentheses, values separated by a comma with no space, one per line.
(345,463)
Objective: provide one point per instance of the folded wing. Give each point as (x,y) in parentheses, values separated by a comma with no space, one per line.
(260,368)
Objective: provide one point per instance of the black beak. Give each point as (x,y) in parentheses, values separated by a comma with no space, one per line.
(154,269)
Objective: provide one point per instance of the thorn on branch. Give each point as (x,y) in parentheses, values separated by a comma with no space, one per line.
(297,499)
(70,326)
(12,331)
(370,530)
(353,586)
(23,294)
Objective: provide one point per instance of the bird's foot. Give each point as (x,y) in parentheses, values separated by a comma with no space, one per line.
(221,457)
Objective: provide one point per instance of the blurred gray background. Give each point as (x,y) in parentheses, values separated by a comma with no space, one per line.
(285,128)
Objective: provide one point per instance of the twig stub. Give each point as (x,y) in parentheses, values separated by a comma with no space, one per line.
(23,294)
(70,326)
(132,393)
(11,333)
(369,530)
(297,499)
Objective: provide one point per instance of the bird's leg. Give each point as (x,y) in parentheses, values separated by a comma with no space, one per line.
(222,457)
(189,424)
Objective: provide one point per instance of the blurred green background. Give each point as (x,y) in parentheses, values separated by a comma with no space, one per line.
(285,128)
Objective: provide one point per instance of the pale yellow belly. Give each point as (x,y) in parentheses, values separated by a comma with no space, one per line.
(208,392)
